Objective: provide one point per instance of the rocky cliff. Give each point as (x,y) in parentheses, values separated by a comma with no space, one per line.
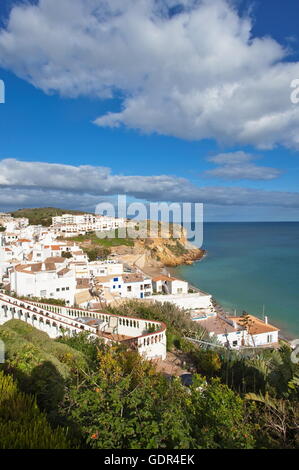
(161,251)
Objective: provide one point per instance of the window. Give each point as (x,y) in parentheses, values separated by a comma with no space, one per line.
(179,290)
(235,343)
(67,288)
(269,339)
(129,288)
(57,290)
(63,289)
(115,279)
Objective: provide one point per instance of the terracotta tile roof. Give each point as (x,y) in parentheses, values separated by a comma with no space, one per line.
(35,267)
(256,326)
(133,277)
(107,278)
(82,283)
(29,268)
(50,267)
(165,278)
(55,259)
(63,271)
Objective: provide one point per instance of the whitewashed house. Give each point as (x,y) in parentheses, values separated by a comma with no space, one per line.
(169,285)
(235,333)
(105,268)
(198,301)
(49,279)
(69,225)
(128,285)
(259,332)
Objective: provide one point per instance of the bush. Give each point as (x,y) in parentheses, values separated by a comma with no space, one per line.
(177,320)
(22,425)
(207,363)
(40,364)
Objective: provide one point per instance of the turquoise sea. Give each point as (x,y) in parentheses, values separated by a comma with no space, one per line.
(251,265)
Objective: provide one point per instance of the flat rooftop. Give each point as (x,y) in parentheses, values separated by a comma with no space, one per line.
(217,325)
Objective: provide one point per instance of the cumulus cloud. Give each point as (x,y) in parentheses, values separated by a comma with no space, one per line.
(238,165)
(35,183)
(190,70)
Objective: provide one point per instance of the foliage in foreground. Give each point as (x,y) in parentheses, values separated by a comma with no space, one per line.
(22,425)
(112,398)
(39,364)
(126,404)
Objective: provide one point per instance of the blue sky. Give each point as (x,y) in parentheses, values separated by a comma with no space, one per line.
(155,134)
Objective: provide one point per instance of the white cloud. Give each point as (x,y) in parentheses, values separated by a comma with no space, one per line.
(197,74)
(238,165)
(36,183)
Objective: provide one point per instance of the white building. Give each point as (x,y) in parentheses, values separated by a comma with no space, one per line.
(50,279)
(69,225)
(259,332)
(74,219)
(147,337)
(105,268)
(130,286)
(194,301)
(169,285)
(9,237)
(233,332)
(11,223)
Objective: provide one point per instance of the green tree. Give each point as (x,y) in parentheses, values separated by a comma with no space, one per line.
(22,425)
(126,405)
(278,420)
(218,418)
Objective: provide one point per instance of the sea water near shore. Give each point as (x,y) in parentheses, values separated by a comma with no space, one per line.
(251,265)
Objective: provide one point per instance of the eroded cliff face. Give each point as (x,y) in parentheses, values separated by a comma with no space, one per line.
(171,250)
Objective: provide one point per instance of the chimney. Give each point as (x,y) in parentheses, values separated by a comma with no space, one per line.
(266,320)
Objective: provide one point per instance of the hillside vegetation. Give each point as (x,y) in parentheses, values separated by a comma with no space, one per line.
(101,397)
(39,364)
(22,425)
(171,250)
(43,215)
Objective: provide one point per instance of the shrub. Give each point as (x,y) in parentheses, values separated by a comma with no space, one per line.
(22,425)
